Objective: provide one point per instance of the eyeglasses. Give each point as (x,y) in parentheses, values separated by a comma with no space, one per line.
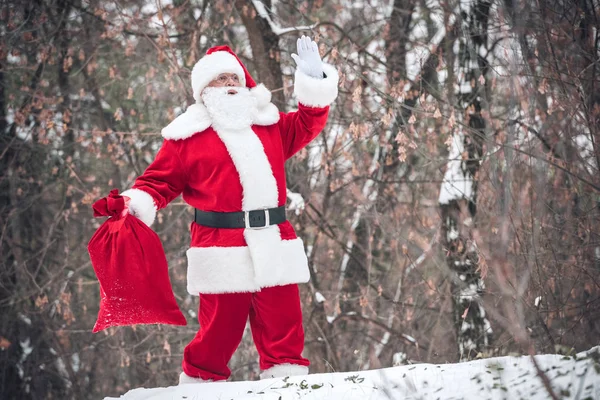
(224,78)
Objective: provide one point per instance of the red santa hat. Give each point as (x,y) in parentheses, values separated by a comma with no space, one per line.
(218,59)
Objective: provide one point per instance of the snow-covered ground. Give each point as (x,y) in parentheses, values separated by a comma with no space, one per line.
(513,378)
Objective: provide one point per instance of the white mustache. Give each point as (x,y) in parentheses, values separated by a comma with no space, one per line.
(229,107)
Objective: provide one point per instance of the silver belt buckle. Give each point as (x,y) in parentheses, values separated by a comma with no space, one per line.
(247,220)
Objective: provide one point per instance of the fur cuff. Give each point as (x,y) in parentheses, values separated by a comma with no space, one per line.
(314,92)
(141,205)
(283,370)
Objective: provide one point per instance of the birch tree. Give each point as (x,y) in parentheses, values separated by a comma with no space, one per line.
(458,192)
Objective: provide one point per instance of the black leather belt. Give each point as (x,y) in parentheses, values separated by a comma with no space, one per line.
(255,219)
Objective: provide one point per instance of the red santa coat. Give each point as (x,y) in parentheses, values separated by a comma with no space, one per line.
(228,171)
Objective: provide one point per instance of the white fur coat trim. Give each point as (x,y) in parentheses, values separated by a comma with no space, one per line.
(185,379)
(233,269)
(196,118)
(266,260)
(283,370)
(141,205)
(314,92)
(276,261)
(253,167)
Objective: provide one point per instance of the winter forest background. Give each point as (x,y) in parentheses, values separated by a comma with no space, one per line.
(452,202)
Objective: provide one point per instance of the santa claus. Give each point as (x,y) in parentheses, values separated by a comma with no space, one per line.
(226,155)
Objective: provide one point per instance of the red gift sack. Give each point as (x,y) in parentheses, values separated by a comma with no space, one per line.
(131,266)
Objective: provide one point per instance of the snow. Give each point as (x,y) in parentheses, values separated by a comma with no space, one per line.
(466,343)
(25,318)
(277,30)
(410,338)
(296,202)
(75,362)
(12,59)
(470,291)
(457,183)
(399,358)
(26,349)
(494,378)
(422,50)
(584,144)
(319,297)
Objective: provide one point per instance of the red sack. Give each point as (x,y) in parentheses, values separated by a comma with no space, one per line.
(131,266)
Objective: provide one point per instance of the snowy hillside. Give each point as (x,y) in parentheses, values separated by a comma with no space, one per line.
(512,378)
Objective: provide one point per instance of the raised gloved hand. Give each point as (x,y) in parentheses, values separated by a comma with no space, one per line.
(308,58)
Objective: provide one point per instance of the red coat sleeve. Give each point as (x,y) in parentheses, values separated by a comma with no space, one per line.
(300,127)
(163,180)
(314,97)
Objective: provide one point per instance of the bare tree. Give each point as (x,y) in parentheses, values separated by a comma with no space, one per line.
(493,103)
(458,194)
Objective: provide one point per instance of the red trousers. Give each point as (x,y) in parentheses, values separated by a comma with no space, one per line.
(275,321)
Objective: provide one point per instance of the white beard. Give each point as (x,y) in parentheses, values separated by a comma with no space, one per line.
(230,111)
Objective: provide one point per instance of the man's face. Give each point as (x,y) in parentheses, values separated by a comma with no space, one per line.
(226,79)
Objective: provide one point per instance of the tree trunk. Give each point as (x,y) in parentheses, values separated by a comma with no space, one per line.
(10,382)
(265,50)
(458,195)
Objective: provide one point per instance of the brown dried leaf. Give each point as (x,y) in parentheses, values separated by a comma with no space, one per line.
(452,120)
(402,154)
(4,343)
(167,347)
(118,114)
(356,94)
(41,300)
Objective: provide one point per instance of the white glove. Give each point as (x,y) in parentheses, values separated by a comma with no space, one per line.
(308,58)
